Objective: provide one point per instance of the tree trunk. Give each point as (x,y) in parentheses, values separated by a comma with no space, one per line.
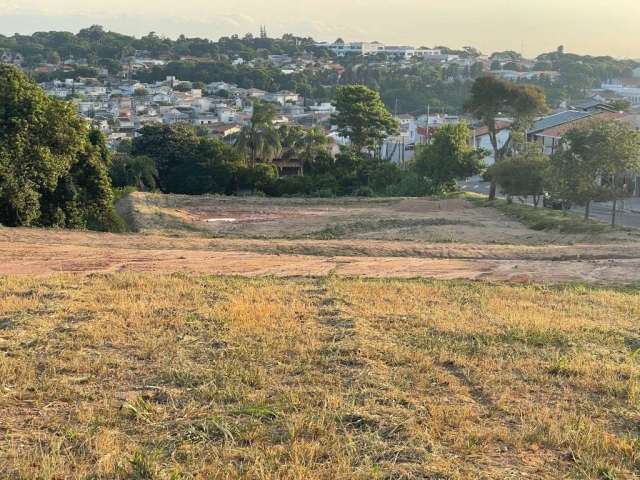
(587,210)
(492,190)
(613,212)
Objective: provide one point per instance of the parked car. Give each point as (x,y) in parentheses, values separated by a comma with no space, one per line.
(554,202)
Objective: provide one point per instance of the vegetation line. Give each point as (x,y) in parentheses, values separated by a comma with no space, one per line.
(541,218)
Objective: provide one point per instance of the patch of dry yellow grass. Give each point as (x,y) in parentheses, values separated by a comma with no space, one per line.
(181,377)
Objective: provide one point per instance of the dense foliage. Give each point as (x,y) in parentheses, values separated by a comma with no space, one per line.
(522,175)
(362,117)
(492,97)
(449,157)
(594,162)
(53,169)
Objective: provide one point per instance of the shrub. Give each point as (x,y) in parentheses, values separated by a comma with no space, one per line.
(364,191)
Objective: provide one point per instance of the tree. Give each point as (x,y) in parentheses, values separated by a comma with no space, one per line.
(291,141)
(492,97)
(522,175)
(260,140)
(620,105)
(187,163)
(300,144)
(53,169)
(183,87)
(129,171)
(476,70)
(363,118)
(594,161)
(449,157)
(314,144)
(262,175)
(618,145)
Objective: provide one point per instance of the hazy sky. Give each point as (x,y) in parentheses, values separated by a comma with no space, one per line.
(583,26)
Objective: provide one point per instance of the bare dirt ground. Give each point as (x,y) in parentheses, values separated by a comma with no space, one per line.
(351,237)
(395,219)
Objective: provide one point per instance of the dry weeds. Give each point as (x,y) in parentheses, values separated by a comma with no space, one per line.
(178,377)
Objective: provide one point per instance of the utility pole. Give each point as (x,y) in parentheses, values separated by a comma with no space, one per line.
(428,131)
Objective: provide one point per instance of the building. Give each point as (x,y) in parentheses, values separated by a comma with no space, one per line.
(515,76)
(341,49)
(629,93)
(399,51)
(293,167)
(227,132)
(283,97)
(548,131)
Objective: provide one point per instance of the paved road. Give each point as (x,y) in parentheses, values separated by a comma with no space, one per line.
(629,217)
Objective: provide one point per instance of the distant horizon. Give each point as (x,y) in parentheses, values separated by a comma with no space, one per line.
(215,38)
(587,27)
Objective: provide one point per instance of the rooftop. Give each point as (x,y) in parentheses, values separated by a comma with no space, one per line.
(558,119)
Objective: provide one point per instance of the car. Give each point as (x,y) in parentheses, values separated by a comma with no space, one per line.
(555,203)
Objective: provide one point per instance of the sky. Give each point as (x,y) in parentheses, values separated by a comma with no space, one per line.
(598,27)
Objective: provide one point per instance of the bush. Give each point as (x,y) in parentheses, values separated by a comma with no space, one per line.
(411,185)
(323,193)
(290,186)
(364,191)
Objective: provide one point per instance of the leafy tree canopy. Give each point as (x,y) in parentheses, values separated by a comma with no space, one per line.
(362,117)
(53,169)
(449,157)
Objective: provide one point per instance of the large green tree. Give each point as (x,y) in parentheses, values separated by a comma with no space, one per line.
(448,157)
(363,118)
(185,162)
(53,168)
(491,98)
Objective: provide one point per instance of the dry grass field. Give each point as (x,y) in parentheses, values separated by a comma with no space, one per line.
(319,339)
(131,376)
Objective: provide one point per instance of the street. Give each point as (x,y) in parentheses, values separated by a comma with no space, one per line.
(628,214)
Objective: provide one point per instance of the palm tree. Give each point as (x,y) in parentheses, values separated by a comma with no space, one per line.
(315,141)
(300,144)
(292,142)
(260,140)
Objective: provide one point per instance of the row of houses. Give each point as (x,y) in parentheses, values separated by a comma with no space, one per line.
(121,107)
(342,49)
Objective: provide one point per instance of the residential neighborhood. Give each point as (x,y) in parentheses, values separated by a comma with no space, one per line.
(119,99)
(319,240)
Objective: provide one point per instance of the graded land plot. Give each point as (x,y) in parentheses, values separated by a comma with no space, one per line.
(394,219)
(138,376)
(394,238)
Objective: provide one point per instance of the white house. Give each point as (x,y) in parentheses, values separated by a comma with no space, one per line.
(325,108)
(216,87)
(174,116)
(399,51)
(282,97)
